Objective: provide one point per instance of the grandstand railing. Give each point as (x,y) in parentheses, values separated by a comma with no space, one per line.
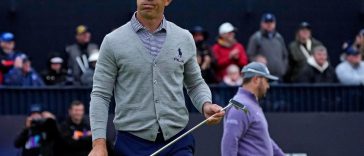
(280,98)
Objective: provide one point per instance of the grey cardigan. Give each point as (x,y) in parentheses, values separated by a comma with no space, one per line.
(148,93)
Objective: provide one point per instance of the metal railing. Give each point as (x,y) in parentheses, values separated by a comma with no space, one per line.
(280,98)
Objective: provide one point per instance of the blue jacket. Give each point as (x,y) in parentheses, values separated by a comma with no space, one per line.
(15,77)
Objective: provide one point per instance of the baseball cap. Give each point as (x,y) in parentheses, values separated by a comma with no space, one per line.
(56,60)
(351,51)
(7,37)
(304,25)
(226,28)
(199,29)
(268,17)
(81,29)
(257,69)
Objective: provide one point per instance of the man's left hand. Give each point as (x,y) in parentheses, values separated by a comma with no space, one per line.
(214,110)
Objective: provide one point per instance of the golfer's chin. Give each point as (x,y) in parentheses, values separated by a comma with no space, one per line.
(148,14)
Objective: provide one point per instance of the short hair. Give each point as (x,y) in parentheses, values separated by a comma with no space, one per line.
(75,103)
(247,80)
(319,49)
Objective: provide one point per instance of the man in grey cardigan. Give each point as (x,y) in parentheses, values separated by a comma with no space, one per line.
(146,63)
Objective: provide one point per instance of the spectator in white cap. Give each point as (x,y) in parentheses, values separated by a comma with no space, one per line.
(228,50)
(232,78)
(87,77)
(55,74)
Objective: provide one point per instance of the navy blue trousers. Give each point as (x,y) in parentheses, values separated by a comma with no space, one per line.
(130,145)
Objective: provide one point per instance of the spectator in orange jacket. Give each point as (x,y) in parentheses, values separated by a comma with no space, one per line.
(228,50)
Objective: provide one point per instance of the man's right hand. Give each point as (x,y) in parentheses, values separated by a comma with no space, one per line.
(98,148)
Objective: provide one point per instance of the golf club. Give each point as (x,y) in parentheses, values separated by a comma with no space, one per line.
(232,102)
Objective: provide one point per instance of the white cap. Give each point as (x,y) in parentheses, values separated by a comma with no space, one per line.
(93,57)
(56,60)
(226,28)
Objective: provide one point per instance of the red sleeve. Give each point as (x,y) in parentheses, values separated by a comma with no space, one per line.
(7,63)
(222,59)
(243,59)
(1,78)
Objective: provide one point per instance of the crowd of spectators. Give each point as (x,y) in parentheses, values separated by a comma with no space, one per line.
(73,66)
(303,60)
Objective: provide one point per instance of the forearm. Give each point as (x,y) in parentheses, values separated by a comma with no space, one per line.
(103,85)
(200,94)
(98,117)
(196,87)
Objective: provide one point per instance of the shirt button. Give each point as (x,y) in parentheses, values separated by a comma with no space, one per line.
(156,101)
(155,65)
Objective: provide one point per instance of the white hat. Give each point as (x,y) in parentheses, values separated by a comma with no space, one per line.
(226,28)
(57,60)
(93,57)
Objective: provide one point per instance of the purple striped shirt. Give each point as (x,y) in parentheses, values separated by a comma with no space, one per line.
(154,41)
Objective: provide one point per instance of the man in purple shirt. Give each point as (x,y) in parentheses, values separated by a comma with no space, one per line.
(246,133)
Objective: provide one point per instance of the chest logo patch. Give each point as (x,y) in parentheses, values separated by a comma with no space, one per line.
(179,58)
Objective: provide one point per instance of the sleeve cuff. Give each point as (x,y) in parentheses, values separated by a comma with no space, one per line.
(201,102)
(98,134)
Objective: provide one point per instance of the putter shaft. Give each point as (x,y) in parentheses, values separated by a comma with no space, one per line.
(188,132)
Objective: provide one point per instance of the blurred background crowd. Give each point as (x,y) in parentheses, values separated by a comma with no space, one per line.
(303,60)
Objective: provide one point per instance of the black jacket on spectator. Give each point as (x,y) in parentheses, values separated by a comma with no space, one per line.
(297,59)
(208,74)
(51,77)
(312,74)
(40,139)
(81,147)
